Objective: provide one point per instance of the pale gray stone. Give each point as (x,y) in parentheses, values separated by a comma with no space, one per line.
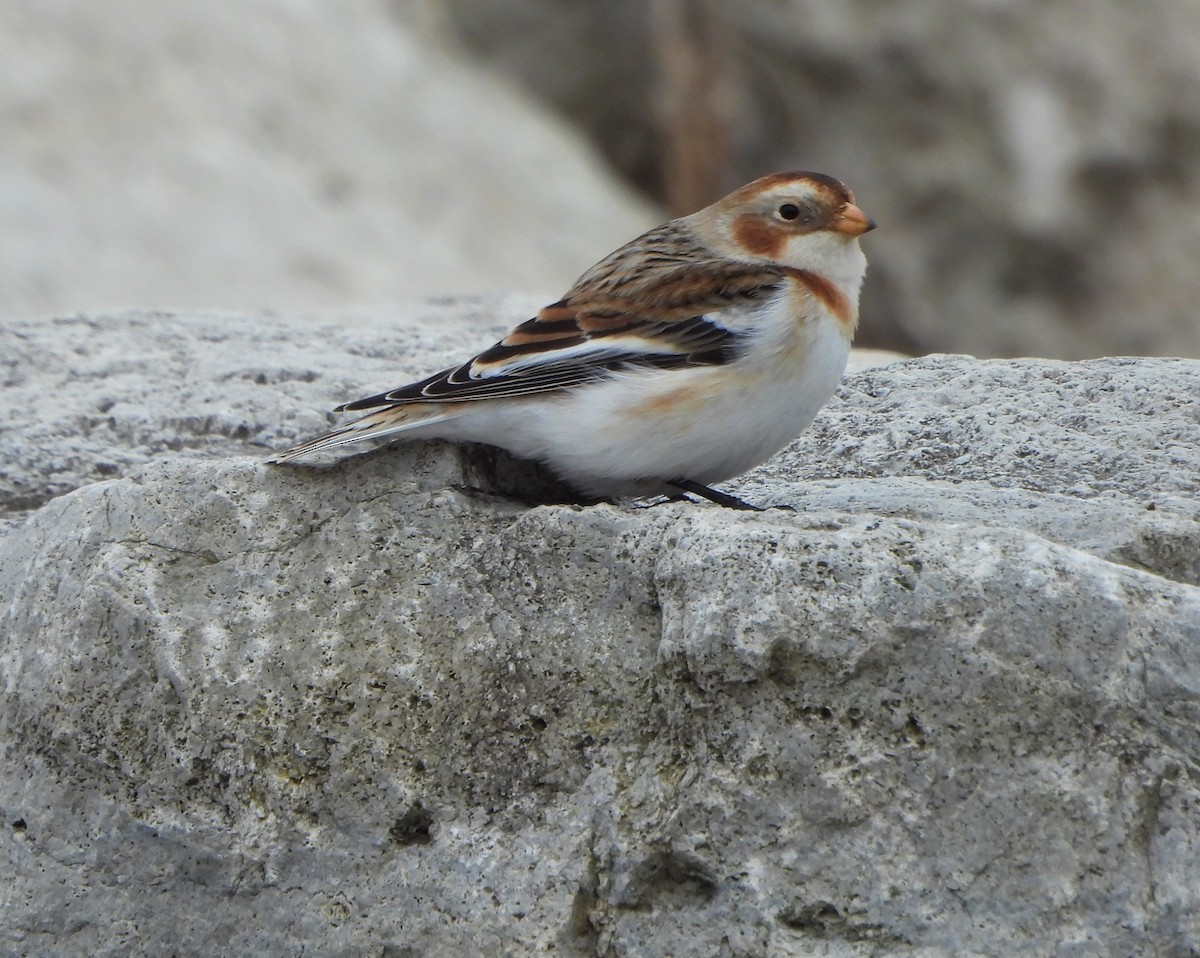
(1102,455)
(949,706)
(89,397)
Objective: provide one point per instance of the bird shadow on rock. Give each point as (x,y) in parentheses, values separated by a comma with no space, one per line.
(473,468)
(494,471)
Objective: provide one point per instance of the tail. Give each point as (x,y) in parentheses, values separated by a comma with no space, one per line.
(386,422)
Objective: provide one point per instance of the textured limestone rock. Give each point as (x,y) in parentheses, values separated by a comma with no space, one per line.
(950,706)
(89,397)
(1102,455)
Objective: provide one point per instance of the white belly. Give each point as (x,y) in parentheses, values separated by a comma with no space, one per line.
(627,435)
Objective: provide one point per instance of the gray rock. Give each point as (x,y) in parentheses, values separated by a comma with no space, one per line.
(1102,455)
(945,708)
(90,397)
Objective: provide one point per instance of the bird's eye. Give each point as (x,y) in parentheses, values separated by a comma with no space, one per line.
(789,211)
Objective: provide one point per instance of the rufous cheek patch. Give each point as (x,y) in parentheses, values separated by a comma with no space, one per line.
(760,236)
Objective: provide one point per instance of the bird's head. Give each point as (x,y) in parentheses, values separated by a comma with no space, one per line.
(802,220)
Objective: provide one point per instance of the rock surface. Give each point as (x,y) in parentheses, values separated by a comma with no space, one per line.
(950,706)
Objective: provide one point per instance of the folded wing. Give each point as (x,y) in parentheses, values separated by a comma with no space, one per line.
(616,317)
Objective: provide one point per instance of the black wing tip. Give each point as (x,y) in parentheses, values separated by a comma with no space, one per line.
(370,402)
(413,392)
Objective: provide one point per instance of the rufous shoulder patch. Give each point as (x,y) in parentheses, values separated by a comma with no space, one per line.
(832,298)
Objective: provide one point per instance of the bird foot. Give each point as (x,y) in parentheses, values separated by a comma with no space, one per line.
(714,495)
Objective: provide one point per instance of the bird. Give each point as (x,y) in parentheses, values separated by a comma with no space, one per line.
(681,360)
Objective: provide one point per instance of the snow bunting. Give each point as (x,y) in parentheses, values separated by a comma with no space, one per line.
(684,358)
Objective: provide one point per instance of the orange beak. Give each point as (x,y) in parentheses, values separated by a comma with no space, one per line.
(853,222)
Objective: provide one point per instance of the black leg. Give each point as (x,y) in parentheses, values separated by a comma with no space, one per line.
(658,501)
(713,495)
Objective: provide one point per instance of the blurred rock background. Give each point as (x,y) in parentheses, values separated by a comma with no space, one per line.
(1035,168)
(285,154)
